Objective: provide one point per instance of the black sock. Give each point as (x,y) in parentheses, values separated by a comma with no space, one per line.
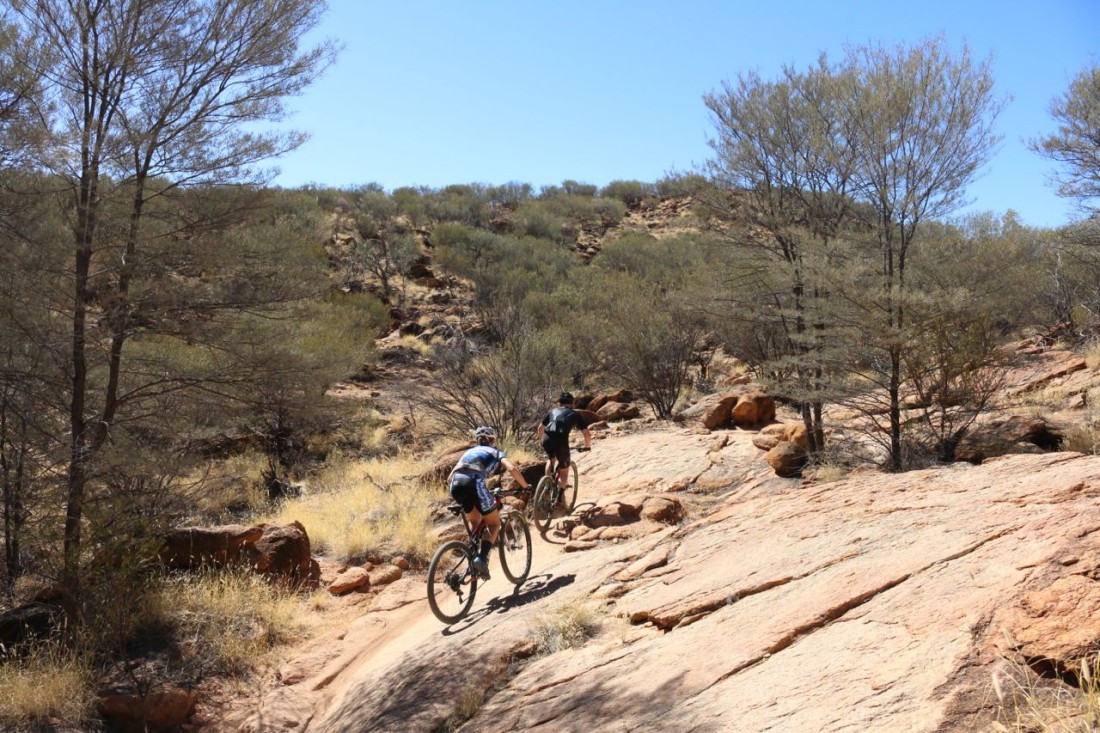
(486,545)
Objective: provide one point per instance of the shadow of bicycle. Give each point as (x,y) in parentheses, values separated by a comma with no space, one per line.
(557,533)
(534,589)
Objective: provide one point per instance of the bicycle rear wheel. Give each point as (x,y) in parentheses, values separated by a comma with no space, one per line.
(569,493)
(452,583)
(543,503)
(515,548)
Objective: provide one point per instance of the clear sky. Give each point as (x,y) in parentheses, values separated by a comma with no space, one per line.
(436,92)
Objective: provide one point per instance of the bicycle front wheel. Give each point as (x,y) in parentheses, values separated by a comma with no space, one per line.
(452,583)
(569,493)
(515,548)
(543,503)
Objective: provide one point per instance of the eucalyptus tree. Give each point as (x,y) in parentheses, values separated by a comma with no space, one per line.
(147,100)
(787,145)
(923,124)
(838,168)
(1076,144)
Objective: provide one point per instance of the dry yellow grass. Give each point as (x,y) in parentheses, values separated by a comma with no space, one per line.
(354,508)
(1026,706)
(1091,353)
(52,685)
(239,616)
(565,626)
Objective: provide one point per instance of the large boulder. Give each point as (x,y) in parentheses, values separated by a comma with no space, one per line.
(787,458)
(749,409)
(159,711)
(622,395)
(190,547)
(753,410)
(354,578)
(772,435)
(444,463)
(282,552)
(23,625)
(1012,434)
(618,411)
(712,411)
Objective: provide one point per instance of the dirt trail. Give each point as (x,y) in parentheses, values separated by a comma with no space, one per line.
(323,688)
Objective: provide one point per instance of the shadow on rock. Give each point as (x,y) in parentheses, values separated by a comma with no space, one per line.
(534,589)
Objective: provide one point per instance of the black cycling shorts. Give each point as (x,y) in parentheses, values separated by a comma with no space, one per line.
(556,447)
(469,492)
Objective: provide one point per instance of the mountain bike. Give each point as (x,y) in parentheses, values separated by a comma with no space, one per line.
(452,580)
(550,497)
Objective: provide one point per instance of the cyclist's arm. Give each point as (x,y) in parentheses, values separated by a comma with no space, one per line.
(511,468)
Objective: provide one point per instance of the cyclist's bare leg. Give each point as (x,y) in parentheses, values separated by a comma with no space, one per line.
(492,523)
(563,475)
(492,527)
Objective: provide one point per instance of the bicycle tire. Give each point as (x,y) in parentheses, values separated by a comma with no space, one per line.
(569,493)
(543,504)
(452,583)
(515,548)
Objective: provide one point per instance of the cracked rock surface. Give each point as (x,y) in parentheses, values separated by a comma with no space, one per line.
(881,602)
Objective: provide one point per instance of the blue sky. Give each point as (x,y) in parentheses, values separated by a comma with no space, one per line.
(540,91)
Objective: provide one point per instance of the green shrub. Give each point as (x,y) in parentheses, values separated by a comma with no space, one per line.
(535,219)
(683,184)
(509,195)
(630,193)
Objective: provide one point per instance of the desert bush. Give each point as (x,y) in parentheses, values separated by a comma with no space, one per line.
(630,193)
(577,208)
(535,219)
(462,203)
(371,200)
(684,184)
(509,195)
(462,249)
(641,336)
(564,626)
(568,188)
(411,204)
(669,263)
(508,387)
(387,256)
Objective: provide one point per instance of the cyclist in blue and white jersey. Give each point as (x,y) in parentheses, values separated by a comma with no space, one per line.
(467,486)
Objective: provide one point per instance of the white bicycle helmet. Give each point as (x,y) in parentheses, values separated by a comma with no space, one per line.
(485,433)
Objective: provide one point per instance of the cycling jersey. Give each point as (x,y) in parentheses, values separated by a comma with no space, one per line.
(562,420)
(467,484)
(480,461)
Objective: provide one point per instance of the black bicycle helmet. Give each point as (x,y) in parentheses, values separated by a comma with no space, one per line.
(566,398)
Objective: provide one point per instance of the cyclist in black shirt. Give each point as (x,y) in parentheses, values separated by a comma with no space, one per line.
(554,434)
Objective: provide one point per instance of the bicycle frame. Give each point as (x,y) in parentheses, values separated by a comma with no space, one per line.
(553,461)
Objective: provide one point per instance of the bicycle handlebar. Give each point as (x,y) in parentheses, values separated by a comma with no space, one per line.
(510,492)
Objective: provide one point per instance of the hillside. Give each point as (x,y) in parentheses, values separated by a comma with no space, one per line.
(946,599)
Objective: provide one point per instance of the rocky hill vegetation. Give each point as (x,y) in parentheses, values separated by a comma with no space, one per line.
(484,322)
